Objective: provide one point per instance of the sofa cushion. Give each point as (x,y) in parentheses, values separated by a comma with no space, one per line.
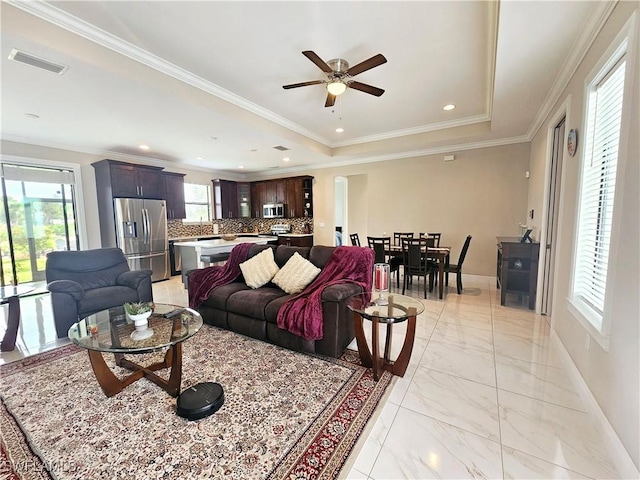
(271,311)
(219,296)
(253,303)
(259,270)
(320,255)
(296,274)
(284,252)
(255,249)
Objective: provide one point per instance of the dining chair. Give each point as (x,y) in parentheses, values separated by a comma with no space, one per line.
(381,247)
(457,267)
(435,236)
(416,263)
(355,240)
(398,236)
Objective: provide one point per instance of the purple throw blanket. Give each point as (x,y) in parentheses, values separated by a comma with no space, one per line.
(302,314)
(203,281)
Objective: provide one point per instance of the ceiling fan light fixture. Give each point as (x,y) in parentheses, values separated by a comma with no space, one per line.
(336,87)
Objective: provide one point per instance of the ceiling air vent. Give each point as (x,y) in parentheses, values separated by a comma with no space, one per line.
(281,148)
(34,61)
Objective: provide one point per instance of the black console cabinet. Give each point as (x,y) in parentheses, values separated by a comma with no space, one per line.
(517,268)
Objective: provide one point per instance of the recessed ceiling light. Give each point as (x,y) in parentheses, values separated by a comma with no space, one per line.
(143,147)
(449,107)
(286,159)
(199,158)
(31,115)
(339,130)
(240,166)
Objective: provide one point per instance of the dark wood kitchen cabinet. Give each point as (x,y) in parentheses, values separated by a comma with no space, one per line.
(294,204)
(258,198)
(275,191)
(174,186)
(131,180)
(244,200)
(295,192)
(225,199)
(296,240)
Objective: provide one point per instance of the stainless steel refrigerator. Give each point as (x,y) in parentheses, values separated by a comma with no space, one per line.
(141,233)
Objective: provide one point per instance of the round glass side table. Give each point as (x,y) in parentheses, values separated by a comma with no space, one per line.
(399,308)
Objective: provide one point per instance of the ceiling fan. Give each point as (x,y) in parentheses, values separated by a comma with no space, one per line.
(340,76)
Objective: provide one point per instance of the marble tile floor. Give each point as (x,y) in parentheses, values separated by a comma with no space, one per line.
(485,394)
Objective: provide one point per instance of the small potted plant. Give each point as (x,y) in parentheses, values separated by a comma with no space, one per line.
(138,313)
(137,309)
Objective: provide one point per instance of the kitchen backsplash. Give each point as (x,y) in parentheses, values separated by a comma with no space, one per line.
(236,225)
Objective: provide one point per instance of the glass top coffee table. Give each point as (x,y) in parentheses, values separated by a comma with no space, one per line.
(395,309)
(111,331)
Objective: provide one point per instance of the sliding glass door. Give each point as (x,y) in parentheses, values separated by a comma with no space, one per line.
(38,216)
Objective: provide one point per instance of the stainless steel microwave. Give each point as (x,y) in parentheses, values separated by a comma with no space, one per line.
(273,210)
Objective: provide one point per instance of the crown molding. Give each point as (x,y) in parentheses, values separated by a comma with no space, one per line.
(86,30)
(413,131)
(62,19)
(396,156)
(576,54)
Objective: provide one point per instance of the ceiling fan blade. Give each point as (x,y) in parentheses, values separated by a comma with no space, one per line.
(363,87)
(303,84)
(367,65)
(322,65)
(331,100)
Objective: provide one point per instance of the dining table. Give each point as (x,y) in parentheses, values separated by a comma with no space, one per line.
(440,254)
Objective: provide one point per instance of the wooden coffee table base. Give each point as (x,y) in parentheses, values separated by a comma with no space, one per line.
(369,359)
(111,384)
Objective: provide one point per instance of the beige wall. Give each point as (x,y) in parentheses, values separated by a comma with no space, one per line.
(482,193)
(613,376)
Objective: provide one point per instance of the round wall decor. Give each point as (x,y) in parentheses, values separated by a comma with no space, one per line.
(572,142)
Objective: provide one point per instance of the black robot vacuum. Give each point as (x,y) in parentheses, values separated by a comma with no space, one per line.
(200,400)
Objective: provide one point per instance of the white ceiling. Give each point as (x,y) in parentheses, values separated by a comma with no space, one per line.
(204,79)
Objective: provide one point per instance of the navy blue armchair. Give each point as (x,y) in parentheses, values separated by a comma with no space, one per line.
(87,281)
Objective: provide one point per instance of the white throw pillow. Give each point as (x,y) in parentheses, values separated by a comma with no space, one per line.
(259,270)
(296,274)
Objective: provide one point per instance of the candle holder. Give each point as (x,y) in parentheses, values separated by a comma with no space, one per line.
(381,283)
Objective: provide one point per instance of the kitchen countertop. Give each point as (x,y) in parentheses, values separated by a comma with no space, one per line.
(218,242)
(214,235)
(296,234)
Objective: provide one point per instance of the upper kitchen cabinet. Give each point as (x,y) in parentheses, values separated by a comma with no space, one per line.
(174,186)
(294,192)
(225,199)
(294,204)
(130,180)
(244,200)
(275,191)
(258,198)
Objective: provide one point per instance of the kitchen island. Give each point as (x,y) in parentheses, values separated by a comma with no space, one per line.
(190,252)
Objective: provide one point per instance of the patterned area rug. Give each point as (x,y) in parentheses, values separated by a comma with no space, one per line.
(286,415)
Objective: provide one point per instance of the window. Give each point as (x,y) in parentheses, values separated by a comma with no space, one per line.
(597,190)
(39,215)
(197,202)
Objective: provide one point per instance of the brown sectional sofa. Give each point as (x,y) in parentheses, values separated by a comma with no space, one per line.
(253,312)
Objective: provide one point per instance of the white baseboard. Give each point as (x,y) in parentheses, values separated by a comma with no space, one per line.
(621,459)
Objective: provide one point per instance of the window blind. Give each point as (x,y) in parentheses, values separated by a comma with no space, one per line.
(602,138)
